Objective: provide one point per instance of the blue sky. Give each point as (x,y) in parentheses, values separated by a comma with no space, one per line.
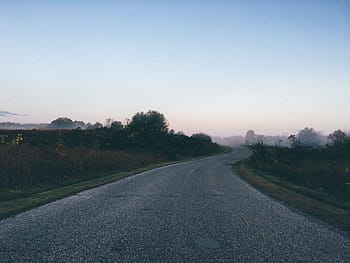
(219,67)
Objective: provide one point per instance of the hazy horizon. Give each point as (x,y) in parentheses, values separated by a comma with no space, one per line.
(228,135)
(218,67)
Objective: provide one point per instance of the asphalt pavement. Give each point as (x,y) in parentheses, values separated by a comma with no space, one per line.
(198,211)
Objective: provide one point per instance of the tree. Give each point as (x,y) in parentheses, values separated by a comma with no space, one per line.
(147,128)
(97,125)
(338,136)
(309,137)
(250,137)
(260,139)
(116,126)
(340,146)
(294,142)
(61,123)
(108,122)
(201,136)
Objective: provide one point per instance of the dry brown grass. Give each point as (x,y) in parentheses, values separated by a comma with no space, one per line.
(25,166)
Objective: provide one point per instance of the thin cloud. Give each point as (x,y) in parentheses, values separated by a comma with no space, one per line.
(7,114)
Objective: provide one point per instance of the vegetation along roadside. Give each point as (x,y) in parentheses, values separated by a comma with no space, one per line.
(39,166)
(314,180)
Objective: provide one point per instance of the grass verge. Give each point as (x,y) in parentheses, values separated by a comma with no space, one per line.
(18,205)
(306,200)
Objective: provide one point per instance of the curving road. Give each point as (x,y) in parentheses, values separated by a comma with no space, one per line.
(197,211)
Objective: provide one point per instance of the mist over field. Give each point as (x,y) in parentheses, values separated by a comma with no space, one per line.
(305,137)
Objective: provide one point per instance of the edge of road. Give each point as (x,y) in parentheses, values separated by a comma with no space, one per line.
(13,207)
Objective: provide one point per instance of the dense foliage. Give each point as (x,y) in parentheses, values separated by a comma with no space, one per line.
(30,158)
(326,168)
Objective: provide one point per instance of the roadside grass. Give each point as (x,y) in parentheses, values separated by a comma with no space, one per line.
(28,199)
(310,201)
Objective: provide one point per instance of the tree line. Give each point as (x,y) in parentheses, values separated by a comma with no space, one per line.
(30,158)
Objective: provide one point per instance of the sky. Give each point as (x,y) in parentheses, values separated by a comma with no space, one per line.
(219,67)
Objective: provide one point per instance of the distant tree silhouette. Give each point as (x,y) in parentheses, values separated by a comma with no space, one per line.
(201,136)
(116,126)
(108,122)
(97,125)
(309,137)
(66,123)
(61,123)
(294,142)
(338,136)
(250,137)
(147,129)
(260,139)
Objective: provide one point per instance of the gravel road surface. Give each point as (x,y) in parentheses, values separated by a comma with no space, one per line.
(198,211)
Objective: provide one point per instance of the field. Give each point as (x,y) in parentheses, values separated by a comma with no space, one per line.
(36,160)
(314,180)
(322,169)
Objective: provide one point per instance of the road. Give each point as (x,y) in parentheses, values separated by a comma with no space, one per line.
(198,211)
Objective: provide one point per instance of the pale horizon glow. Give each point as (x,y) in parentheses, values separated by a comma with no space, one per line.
(218,67)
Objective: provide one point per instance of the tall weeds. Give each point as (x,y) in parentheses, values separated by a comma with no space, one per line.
(25,166)
(326,168)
